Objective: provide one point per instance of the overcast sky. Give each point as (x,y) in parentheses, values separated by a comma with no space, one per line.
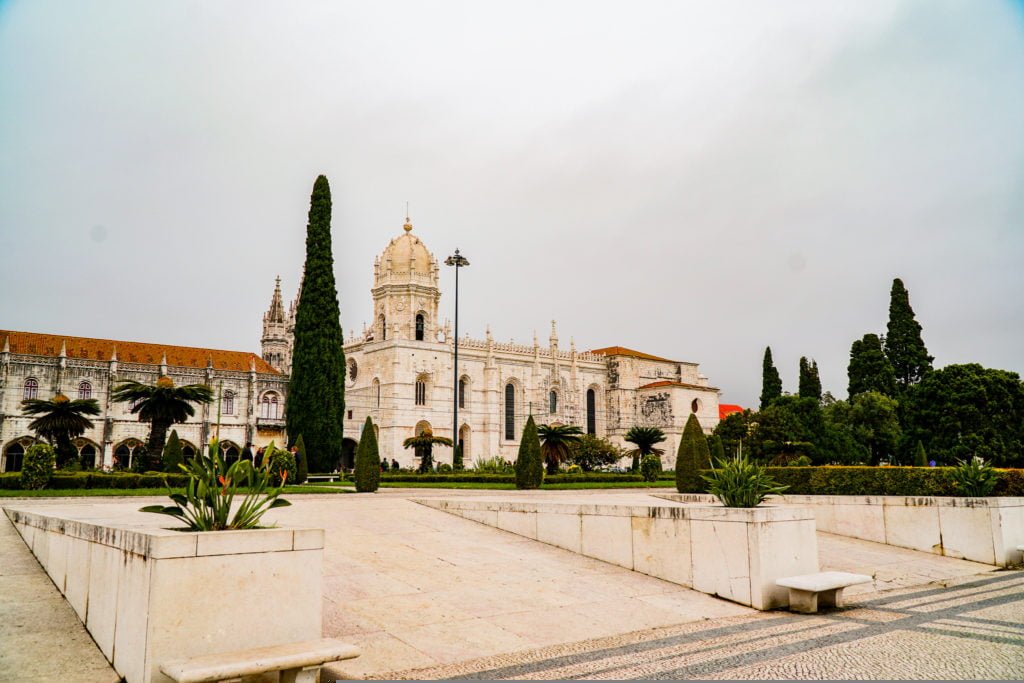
(694,180)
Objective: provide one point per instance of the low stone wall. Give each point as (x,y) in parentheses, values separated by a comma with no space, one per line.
(984,530)
(733,553)
(148,595)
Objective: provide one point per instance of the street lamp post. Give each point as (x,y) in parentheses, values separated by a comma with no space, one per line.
(459,261)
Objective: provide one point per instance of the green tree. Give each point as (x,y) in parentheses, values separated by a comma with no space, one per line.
(734,429)
(838,446)
(59,420)
(810,381)
(529,470)
(771,382)
(367,472)
(716,447)
(875,423)
(693,455)
(173,455)
(161,405)
(555,444)
(645,439)
(788,428)
(920,457)
(37,467)
(424,444)
(316,388)
(904,346)
(869,368)
(962,411)
(301,463)
(457,464)
(591,452)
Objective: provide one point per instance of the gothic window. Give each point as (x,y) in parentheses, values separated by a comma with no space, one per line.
(31,389)
(553,402)
(421,393)
(376,390)
(270,407)
(84,390)
(383,328)
(228,404)
(419,327)
(510,412)
(591,412)
(462,392)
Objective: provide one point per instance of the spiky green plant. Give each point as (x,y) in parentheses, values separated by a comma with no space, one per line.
(161,405)
(645,440)
(739,483)
(974,478)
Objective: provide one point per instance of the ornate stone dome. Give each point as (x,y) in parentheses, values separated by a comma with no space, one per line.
(406,257)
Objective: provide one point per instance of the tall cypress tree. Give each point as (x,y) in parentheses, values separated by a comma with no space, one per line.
(316,389)
(869,369)
(771,382)
(903,343)
(810,381)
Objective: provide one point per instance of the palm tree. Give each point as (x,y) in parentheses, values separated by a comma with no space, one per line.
(161,404)
(424,445)
(555,441)
(644,439)
(61,420)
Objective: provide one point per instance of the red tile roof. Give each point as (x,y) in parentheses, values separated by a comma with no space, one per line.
(727,409)
(623,351)
(131,352)
(670,383)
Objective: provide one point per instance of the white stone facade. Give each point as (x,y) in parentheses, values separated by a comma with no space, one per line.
(400,373)
(252,394)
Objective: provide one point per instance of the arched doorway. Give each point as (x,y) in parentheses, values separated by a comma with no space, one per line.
(87,453)
(124,453)
(14,454)
(421,427)
(348,453)
(230,451)
(465,443)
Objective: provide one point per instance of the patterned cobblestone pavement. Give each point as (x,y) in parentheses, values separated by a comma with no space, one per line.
(970,628)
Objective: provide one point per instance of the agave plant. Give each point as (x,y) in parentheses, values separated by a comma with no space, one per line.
(211,490)
(974,478)
(739,483)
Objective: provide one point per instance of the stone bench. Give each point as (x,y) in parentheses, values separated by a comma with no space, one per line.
(806,592)
(297,662)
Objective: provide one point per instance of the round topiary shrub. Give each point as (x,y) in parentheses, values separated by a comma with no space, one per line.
(37,467)
(650,467)
(282,468)
(444,468)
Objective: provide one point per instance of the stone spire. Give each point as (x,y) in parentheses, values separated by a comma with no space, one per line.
(274,343)
(276,312)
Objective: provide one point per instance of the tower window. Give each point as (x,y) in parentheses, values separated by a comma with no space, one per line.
(510,412)
(421,393)
(591,412)
(419,327)
(462,392)
(553,402)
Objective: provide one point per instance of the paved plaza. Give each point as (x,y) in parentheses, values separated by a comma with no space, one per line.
(426,594)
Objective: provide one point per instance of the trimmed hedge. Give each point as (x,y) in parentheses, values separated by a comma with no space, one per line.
(99,480)
(880,481)
(467,477)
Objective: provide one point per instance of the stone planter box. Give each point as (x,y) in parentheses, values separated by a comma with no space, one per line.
(736,554)
(148,595)
(984,530)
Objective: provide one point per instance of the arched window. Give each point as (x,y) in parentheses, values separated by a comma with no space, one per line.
(31,389)
(591,412)
(421,392)
(462,392)
(228,404)
(553,402)
(376,390)
(695,406)
(84,390)
(510,412)
(383,328)
(270,408)
(419,327)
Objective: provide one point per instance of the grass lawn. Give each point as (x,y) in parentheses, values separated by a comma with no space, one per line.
(91,493)
(511,487)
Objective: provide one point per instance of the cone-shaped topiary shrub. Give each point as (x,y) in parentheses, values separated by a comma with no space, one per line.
(37,467)
(529,468)
(920,457)
(301,463)
(367,472)
(173,456)
(693,456)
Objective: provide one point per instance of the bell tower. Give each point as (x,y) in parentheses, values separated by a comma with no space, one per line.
(274,343)
(405,290)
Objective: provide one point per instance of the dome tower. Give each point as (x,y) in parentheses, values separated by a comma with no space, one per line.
(405,291)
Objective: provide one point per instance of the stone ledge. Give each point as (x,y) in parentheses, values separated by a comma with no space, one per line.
(161,543)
